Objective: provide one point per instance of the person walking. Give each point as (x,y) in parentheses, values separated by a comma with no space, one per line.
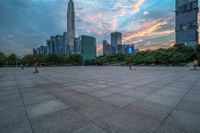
(195,64)
(36,66)
(130,65)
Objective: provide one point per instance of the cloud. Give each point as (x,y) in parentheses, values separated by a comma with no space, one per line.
(136,6)
(26,24)
(147,28)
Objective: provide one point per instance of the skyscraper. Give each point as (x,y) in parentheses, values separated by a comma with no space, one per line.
(187,22)
(116,39)
(66,39)
(88,47)
(71,24)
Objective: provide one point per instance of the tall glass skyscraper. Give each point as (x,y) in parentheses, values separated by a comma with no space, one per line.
(187,22)
(116,39)
(71,24)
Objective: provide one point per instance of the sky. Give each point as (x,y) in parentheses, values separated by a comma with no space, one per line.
(27,24)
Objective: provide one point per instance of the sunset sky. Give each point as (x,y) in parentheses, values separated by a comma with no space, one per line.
(28,23)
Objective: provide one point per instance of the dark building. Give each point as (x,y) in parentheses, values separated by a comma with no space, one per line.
(187,22)
(116,39)
(126,49)
(105,47)
(88,47)
(34,51)
(71,24)
(66,39)
(77,45)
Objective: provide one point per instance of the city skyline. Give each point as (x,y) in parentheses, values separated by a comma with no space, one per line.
(142,22)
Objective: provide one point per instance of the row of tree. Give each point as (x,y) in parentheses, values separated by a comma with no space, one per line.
(46,60)
(177,55)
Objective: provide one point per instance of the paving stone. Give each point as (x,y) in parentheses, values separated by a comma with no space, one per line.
(12,116)
(184,122)
(90,129)
(167,129)
(101,93)
(155,111)
(188,106)
(100,99)
(167,101)
(45,107)
(119,100)
(98,110)
(60,122)
(9,104)
(128,123)
(23,127)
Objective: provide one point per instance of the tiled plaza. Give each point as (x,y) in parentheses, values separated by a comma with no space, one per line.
(100,100)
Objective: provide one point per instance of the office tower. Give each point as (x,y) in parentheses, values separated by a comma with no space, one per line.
(43,50)
(71,24)
(116,39)
(187,22)
(129,49)
(121,49)
(66,39)
(34,51)
(53,45)
(48,44)
(77,45)
(88,47)
(59,47)
(105,48)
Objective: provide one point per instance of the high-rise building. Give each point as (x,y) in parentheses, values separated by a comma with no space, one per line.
(59,47)
(43,50)
(77,45)
(187,22)
(34,51)
(53,45)
(116,39)
(48,44)
(130,49)
(105,48)
(71,24)
(66,39)
(88,47)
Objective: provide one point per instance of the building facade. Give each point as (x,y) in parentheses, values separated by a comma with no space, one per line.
(116,39)
(77,46)
(71,24)
(66,39)
(88,47)
(187,22)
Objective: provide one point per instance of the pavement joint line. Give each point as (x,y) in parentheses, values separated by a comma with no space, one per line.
(22,98)
(174,108)
(95,121)
(71,109)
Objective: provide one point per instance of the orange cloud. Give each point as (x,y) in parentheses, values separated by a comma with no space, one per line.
(94,16)
(136,6)
(154,46)
(147,28)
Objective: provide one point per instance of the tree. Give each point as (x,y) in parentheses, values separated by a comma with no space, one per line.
(75,59)
(178,58)
(2,59)
(52,59)
(12,59)
(28,59)
(149,60)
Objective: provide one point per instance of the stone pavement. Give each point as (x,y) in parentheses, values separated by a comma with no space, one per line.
(100,100)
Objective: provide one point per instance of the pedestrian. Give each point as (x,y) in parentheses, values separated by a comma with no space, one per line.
(36,66)
(195,64)
(22,67)
(130,65)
